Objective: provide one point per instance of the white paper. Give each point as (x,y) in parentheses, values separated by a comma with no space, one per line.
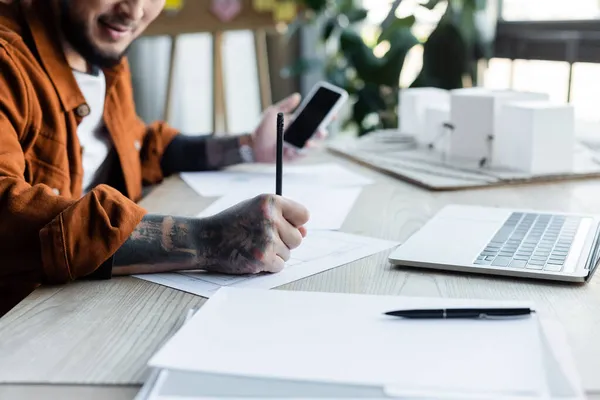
(343,338)
(260,178)
(320,251)
(561,372)
(328,207)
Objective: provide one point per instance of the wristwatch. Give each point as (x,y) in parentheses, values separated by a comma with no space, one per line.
(245,148)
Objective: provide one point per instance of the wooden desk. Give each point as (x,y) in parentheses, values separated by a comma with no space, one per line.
(102,333)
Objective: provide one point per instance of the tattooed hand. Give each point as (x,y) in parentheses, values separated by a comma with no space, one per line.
(254,236)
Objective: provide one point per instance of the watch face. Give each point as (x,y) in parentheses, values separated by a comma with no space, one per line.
(246,153)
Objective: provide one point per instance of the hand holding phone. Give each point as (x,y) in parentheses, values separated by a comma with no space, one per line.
(314,113)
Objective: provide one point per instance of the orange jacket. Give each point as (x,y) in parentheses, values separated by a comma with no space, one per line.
(49,232)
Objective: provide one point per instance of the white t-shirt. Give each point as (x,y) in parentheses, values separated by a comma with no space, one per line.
(93,136)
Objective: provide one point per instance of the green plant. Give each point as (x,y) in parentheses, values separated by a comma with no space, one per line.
(456,44)
(449,54)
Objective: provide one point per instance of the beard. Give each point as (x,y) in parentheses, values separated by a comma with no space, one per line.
(76,33)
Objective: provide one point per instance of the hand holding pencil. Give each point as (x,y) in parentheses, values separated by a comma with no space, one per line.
(262,231)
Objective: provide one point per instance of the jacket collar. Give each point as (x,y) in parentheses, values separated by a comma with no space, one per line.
(40,15)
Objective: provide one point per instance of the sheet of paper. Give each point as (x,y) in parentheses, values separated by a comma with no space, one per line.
(561,371)
(561,374)
(260,178)
(328,207)
(346,339)
(320,251)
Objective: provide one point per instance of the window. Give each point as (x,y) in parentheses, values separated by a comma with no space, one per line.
(585,91)
(551,77)
(550,10)
(548,46)
(551,46)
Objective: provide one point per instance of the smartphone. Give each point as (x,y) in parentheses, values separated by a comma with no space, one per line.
(315,112)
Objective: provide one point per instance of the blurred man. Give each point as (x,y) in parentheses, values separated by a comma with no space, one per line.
(74,157)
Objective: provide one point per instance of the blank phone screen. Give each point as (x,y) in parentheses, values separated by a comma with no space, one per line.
(306,123)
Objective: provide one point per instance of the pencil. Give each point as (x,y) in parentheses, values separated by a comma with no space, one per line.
(279,167)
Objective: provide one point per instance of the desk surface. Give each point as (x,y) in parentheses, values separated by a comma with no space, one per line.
(92,339)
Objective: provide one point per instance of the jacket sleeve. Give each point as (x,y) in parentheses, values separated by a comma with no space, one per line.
(44,237)
(157,137)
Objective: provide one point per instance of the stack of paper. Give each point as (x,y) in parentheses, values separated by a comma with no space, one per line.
(328,191)
(281,344)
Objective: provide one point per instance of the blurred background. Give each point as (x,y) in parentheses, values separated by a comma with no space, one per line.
(372,48)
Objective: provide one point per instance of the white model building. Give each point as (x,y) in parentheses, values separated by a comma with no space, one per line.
(474,116)
(412,105)
(536,137)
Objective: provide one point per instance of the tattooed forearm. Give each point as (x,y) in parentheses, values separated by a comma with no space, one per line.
(222,152)
(202,153)
(239,240)
(158,243)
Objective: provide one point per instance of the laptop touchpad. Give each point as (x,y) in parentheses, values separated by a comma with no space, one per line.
(456,239)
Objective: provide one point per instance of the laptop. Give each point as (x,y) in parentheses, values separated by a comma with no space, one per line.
(520,243)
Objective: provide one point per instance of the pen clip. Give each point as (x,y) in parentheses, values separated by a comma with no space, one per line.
(501,317)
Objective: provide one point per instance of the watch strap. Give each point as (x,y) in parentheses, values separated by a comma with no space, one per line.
(245,147)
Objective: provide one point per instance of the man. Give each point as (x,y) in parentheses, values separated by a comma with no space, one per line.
(74,157)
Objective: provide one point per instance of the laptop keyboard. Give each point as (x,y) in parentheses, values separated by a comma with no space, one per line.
(531,241)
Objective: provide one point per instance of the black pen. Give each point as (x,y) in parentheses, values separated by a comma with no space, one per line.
(447,313)
(279,162)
